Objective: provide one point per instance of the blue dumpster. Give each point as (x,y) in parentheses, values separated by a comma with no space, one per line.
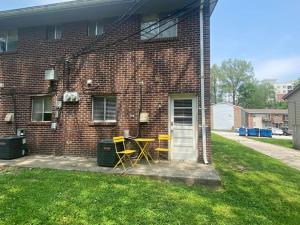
(266,133)
(253,132)
(242,131)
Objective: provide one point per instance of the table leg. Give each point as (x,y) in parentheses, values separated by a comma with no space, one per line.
(144,152)
(147,152)
(140,155)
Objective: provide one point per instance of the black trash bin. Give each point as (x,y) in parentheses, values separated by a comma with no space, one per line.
(12,147)
(106,153)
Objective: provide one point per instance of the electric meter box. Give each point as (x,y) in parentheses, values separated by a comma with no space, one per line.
(51,74)
(144,117)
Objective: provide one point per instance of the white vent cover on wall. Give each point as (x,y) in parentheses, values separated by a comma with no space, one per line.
(71,97)
(9,117)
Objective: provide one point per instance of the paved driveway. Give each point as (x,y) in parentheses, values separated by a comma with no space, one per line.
(288,156)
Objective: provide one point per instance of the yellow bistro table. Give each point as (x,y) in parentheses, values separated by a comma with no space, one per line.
(144,144)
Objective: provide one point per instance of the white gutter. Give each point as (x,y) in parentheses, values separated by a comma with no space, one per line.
(202,86)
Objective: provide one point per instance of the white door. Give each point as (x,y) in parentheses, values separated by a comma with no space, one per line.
(183,120)
(257,122)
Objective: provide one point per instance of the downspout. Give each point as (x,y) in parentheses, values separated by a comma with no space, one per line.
(202,86)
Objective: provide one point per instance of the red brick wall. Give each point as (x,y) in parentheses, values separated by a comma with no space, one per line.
(250,120)
(165,66)
(237,117)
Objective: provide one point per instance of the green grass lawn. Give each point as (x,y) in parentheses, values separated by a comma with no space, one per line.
(256,190)
(280,142)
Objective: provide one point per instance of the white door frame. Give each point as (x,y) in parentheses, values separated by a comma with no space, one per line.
(194,97)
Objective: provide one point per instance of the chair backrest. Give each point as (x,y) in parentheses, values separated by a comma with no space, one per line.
(163,137)
(119,141)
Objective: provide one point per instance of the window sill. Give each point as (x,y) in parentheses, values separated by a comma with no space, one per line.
(107,124)
(46,123)
(160,40)
(8,53)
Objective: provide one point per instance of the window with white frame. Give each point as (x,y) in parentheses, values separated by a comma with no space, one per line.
(152,27)
(54,32)
(95,29)
(41,109)
(104,109)
(8,40)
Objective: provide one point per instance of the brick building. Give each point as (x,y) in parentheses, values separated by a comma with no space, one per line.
(118,71)
(264,118)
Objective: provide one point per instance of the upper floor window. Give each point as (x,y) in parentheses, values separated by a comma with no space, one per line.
(54,32)
(152,28)
(8,40)
(95,29)
(41,109)
(104,109)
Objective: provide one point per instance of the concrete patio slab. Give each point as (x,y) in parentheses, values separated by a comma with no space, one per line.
(190,173)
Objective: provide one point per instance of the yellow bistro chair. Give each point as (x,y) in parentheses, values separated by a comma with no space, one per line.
(124,153)
(163,138)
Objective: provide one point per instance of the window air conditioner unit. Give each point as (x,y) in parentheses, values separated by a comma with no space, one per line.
(9,117)
(51,75)
(71,97)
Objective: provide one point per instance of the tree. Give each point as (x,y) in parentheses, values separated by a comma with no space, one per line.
(281,105)
(259,95)
(235,73)
(268,94)
(247,94)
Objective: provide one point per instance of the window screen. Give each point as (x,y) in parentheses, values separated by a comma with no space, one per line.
(183,112)
(54,32)
(41,109)
(104,108)
(152,27)
(8,40)
(95,29)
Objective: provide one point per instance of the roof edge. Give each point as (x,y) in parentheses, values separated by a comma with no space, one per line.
(291,92)
(213,4)
(58,7)
(261,111)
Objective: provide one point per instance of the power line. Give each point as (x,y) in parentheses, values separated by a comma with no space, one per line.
(89,49)
(115,25)
(176,13)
